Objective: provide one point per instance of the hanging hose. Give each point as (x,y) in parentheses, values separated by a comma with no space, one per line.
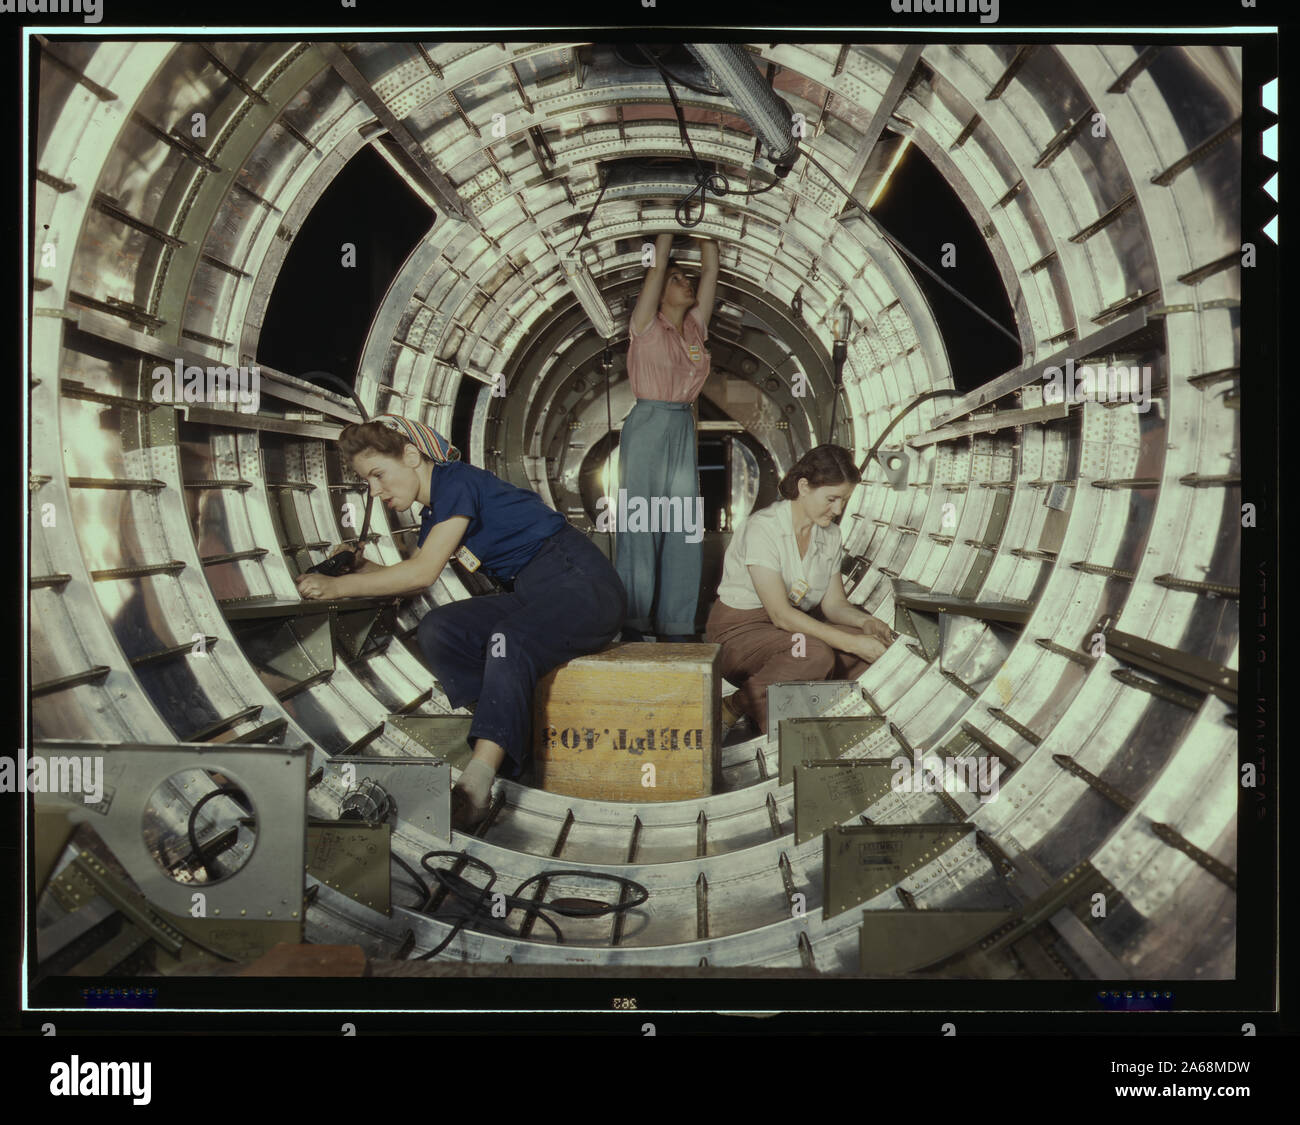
(607,366)
(705,181)
(590,214)
(925,397)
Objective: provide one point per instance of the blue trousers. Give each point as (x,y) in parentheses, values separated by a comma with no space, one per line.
(567,602)
(660,569)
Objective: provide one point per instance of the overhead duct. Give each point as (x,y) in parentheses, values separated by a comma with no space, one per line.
(653,179)
(641,179)
(768,115)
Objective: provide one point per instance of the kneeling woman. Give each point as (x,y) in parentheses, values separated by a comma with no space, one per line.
(567,600)
(781,576)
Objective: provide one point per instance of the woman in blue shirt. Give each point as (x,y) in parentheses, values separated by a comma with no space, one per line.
(567,599)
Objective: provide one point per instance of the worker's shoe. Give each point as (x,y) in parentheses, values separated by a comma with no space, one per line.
(731,714)
(465,815)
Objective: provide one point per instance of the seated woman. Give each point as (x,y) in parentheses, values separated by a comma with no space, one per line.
(781,577)
(567,600)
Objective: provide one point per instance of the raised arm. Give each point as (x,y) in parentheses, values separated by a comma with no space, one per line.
(708,286)
(647,305)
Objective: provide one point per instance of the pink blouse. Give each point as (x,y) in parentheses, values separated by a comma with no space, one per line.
(667,365)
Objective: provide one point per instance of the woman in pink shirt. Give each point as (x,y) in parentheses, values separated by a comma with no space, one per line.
(667,364)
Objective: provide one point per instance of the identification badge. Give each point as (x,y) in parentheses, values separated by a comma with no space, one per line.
(798,591)
(695,352)
(467,559)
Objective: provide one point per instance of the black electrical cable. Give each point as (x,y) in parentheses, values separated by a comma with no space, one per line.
(924,397)
(419,882)
(478,898)
(590,215)
(461,888)
(717,182)
(196,852)
(478,905)
(756,191)
(835,403)
(906,252)
(427,894)
(607,363)
(598,910)
(705,181)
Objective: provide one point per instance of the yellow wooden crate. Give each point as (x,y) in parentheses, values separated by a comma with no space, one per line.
(599,721)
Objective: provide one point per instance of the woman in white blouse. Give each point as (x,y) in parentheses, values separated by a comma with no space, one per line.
(781,613)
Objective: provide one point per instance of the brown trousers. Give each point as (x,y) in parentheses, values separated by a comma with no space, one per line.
(755,653)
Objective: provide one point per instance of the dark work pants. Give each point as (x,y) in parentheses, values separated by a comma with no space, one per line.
(567,602)
(756,654)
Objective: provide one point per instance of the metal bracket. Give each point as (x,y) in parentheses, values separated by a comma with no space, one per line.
(444,736)
(1184,668)
(1008,613)
(353,857)
(805,699)
(923,626)
(87,871)
(267,886)
(827,794)
(862,862)
(352,630)
(821,739)
(299,636)
(895,462)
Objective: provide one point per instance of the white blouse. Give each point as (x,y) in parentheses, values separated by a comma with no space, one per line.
(766,538)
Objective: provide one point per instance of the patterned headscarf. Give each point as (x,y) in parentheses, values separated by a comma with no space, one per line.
(427,440)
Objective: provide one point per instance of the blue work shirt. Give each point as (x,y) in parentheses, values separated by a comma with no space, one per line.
(507,524)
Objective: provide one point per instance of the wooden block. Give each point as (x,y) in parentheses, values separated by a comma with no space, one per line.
(600,719)
(286,960)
